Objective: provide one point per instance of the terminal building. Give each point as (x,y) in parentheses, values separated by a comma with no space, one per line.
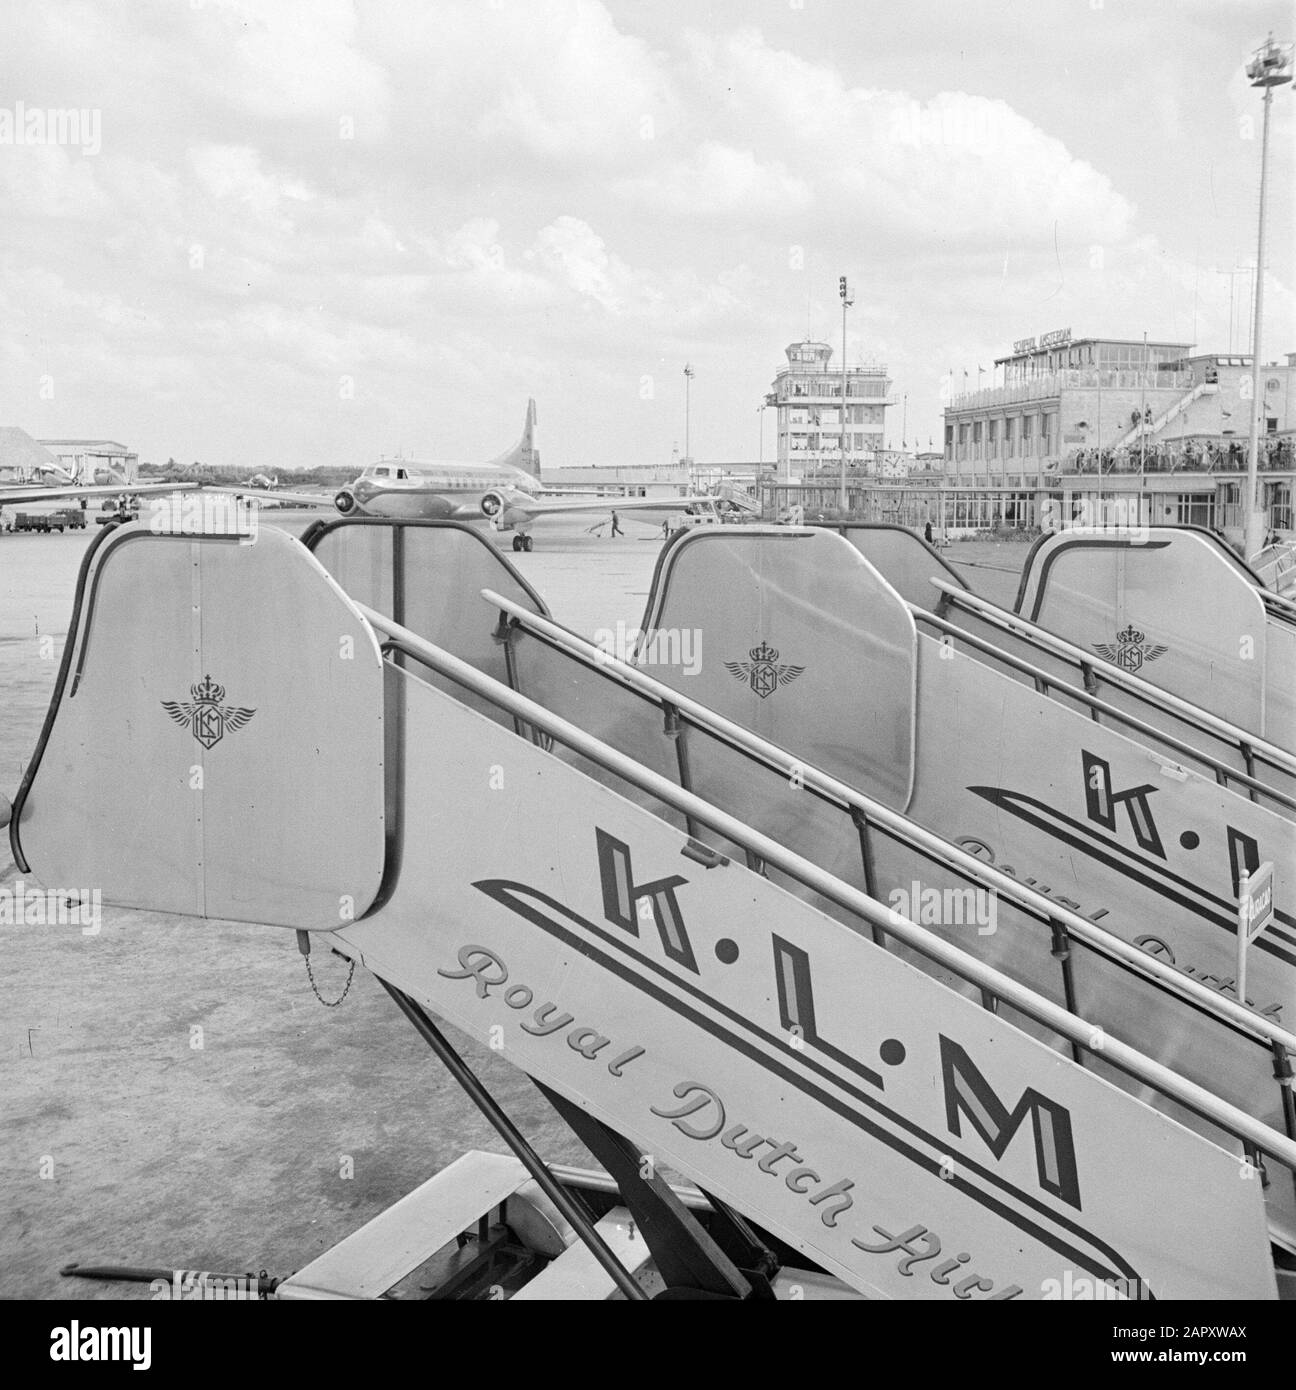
(1151,429)
(623,480)
(1142,432)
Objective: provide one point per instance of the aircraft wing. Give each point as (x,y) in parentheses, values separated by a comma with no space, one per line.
(10,495)
(299,499)
(556,506)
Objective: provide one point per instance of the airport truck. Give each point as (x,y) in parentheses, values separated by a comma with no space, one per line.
(69,519)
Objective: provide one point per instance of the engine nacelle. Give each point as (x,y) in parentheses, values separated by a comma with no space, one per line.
(504,507)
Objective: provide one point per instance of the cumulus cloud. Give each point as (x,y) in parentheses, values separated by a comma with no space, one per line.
(572,86)
(720,181)
(917,170)
(578,255)
(290,59)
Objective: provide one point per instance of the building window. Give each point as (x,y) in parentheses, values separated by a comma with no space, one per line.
(1196,509)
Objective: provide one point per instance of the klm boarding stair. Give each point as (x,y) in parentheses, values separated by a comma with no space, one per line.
(841,1110)
(1127,980)
(1116,683)
(1275,567)
(1106,825)
(1208,630)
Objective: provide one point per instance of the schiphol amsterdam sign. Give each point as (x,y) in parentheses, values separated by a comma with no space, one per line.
(1046,340)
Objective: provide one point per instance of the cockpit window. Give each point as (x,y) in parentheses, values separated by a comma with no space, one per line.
(401,473)
(382,472)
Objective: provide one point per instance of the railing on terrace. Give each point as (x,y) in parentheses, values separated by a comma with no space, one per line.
(1224,455)
(1051,383)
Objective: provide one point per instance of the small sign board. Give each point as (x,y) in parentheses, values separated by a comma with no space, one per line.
(1255,901)
(1255,912)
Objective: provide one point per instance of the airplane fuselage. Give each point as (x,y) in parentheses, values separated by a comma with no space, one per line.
(432,491)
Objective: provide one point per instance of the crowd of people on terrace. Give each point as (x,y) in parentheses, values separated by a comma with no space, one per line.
(1223,455)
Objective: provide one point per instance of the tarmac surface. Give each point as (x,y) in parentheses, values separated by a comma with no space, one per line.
(171,1093)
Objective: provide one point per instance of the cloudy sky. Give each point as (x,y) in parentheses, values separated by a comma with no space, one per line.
(298,233)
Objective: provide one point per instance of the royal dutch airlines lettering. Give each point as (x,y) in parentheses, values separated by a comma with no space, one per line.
(629,905)
(1120,830)
(1102,804)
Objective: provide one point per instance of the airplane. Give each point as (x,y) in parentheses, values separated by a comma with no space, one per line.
(67,483)
(506,491)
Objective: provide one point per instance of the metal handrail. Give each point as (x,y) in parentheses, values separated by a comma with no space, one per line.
(1070,1026)
(1145,690)
(917,836)
(1048,684)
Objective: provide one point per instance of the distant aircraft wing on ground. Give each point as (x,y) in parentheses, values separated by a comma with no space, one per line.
(9,495)
(298,499)
(523,506)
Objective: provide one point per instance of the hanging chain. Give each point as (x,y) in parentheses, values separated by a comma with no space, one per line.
(303,944)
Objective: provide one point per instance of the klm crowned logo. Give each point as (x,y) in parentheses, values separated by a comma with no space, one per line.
(1129,651)
(763,672)
(207,717)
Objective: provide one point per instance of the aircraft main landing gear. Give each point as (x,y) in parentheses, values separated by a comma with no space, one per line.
(522,543)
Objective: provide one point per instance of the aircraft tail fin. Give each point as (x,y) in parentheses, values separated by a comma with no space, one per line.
(127,470)
(525,454)
(115,470)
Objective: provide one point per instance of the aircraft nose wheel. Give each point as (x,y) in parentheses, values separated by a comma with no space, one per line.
(522,542)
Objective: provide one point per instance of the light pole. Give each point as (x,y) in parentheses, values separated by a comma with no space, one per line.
(1098,360)
(847,300)
(1270,68)
(1143,414)
(688,452)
